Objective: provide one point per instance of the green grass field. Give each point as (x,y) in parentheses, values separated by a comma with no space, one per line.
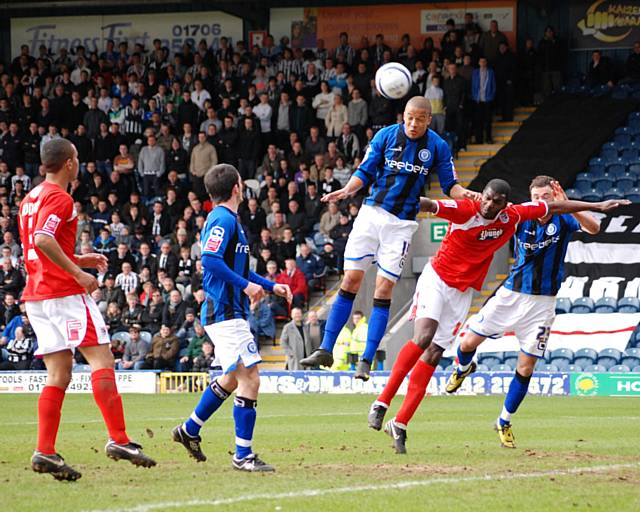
(573,454)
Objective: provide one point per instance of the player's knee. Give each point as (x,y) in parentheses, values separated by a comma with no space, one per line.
(525,368)
(384,288)
(423,339)
(352,280)
(59,378)
(432,354)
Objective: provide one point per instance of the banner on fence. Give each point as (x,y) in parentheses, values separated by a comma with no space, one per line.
(173,29)
(33,382)
(605,384)
(604,23)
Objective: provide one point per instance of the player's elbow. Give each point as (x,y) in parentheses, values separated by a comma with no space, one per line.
(593,228)
(41,241)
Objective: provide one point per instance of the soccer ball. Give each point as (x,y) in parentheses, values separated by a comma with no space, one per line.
(393,80)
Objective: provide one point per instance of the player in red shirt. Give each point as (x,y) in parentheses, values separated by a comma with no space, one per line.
(63,314)
(444,290)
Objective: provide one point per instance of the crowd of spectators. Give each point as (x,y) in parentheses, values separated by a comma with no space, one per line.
(148,124)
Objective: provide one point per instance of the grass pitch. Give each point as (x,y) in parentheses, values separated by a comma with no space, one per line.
(573,454)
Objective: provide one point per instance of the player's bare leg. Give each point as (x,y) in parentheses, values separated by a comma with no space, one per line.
(338,317)
(377,325)
(244,416)
(45,459)
(109,401)
(515,396)
(188,433)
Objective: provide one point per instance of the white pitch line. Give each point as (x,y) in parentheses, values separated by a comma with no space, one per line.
(311,493)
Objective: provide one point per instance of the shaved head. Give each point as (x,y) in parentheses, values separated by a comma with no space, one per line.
(55,153)
(419,103)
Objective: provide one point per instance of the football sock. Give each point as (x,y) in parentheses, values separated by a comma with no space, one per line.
(418,380)
(377,327)
(49,412)
(210,401)
(406,360)
(338,316)
(515,396)
(244,415)
(105,393)
(464,360)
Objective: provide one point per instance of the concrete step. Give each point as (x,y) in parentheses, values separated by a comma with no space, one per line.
(506,124)
(484,147)
(273,358)
(272,366)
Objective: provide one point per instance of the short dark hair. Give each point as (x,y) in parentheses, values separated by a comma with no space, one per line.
(55,153)
(499,187)
(541,181)
(220,180)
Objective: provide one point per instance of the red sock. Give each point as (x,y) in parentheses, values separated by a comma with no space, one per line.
(406,359)
(49,407)
(109,401)
(418,380)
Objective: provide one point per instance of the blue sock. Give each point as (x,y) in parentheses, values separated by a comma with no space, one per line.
(338,316)
(464,359)
(515,396)
(377,327)
(212,398)
(244,414)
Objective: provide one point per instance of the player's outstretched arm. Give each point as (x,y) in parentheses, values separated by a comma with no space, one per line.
(345,192)
(588,223)
(459,192)
(49,246)
(428,205)
(571,206)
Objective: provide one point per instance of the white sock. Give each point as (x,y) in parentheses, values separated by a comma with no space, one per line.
(505,415)
(378,402)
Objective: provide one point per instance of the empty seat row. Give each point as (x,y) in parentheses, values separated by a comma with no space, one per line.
(602,305)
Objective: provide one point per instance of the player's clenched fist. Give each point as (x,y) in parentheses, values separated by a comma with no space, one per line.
(283,290)
(87,281)
(254,291)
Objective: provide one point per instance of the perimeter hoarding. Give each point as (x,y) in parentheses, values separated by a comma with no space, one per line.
(604,23)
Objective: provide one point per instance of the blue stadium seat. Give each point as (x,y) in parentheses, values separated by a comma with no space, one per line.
(584,176)
(596,160)
(635,369)
(582,305)
(631,352)
(608,154)
(573,193)
(595,368)
(626,183)
(615,171)
(600,90)
(573,368)
(613,193)
(620,368)
(622,140)
(563,305)
(620,93)
(562,354)
(449,369)
(631,155)
(632,195)
(622,130)
(609,145)
(628,305)
(511,361)
(634,169)
(609,357)
(547,368)
(561,364)
(587,354)
(634,124)
(583,186)
(445,361)
(634,340)
(491,358)
(596,170)
(482,368)
(630,361)
(606,305)
(634,116)
(501,368)
(593,196)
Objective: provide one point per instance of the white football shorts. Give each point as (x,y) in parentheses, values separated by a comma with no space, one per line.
(529,316)
(437,300)
(381,237)
(233,343)
(65,323)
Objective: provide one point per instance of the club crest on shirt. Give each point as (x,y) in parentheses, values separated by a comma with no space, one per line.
(504,217)
(215,239)
(551,229)
(424,155)
(490,234)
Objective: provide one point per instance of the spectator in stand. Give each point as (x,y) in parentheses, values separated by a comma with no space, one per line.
(18,352)
(11,279)
(135,350)
(339,235)
(600,70)
(205,360)
(483,91)
(312,266)
(164,350)
(632,67)
(132,314)
(348,143)
(254,220)
(203,157)
(127,280)
(527,73)
(505,72)
(550,55)
(329,183)
(286,247)
(293,341)
(336,118)
(152,315)
(292,276)
(174,312)
(250,140)
(357,113)
(329,219)
(151,166)
(454,89)
(490,42)
(435,95)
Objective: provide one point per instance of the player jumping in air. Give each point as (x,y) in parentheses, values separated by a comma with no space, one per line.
(525,303)
(229,284)
(63,314)
(396,164)
(444,290)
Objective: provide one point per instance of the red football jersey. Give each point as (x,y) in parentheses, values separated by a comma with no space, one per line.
(466,252)
(47,210)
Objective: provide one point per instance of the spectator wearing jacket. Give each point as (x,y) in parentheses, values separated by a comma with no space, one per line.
(292,276)
(483,92)
(135,350)
(164,350)
(312,266)
(203,157)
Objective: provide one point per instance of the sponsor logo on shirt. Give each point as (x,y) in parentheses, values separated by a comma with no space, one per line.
(449,203)
(215,239)
(490,234)
(407,166)
(51,224)
(242,248)
(539,245)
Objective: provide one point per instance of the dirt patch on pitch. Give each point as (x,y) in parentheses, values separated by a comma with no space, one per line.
(383,471)
(573,456)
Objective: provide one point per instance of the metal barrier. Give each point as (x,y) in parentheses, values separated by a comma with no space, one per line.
(183,382)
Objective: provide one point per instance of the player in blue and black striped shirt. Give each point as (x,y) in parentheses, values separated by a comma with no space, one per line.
(525,303)
(396,166)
